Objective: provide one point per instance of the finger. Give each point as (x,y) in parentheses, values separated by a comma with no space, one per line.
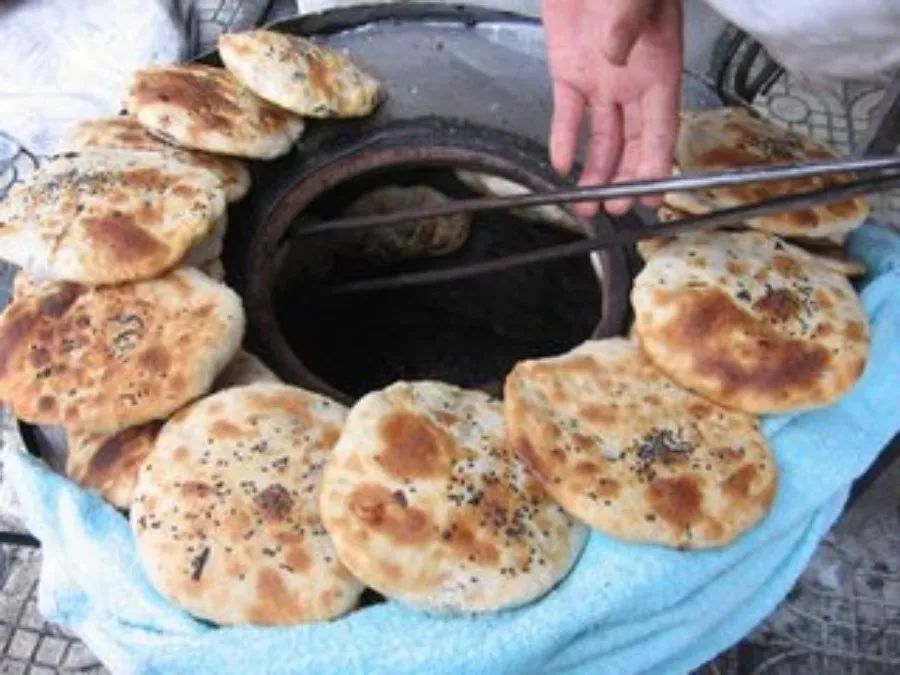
(568,111)
(631,156)
(658,136)
(604,145)
(625,23)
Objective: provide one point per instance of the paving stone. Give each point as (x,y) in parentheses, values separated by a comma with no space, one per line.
(41,670)
(9,667)
(79,657)
(50,650)
(22,644)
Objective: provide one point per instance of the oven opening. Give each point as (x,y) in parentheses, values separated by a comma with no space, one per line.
(469,332)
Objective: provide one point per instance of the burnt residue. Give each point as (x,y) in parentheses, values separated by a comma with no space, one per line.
(198,562)
(659,446)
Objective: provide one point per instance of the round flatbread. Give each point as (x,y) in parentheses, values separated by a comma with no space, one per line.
(225,512)
(297,74)
(125,133)
(750,322)
(494,186)
(108,217)
(633,455)
(205,108)
(210,247)
(244,368)
(429,237)
(107,358)
(728,138)
(426,504)
(831,256)
(108,464)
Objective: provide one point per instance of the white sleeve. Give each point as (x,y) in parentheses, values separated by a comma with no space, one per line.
(823,40)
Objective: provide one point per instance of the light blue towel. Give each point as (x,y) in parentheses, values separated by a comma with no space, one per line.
(624,608)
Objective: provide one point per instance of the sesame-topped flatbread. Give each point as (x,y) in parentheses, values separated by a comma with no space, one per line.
(107,358)
(632,454)
(497,186)
(108,217)
(125,133)
(750,322)
(427,237)
(108,463)
(205,108)
(426,504)
(298,74)
(225,512)
(729,138)
(209,248)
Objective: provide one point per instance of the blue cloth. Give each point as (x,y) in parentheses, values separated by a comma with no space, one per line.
(624,608)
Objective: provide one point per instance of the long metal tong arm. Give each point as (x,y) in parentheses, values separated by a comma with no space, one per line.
(624,237)
(759,174)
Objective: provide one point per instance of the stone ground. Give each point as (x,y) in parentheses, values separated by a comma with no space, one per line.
(842,617)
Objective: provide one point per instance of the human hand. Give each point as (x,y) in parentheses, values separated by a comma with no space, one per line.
(621,59)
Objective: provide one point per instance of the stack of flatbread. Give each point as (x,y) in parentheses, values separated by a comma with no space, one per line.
(728,138)
(122,332)
(653,439)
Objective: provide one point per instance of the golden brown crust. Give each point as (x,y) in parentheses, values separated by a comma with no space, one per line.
(750,322)
(109,463)
(225,512)
(630,453)
(298,74)
(108,217)
(729,138)
(205,108)
(125,133)
(425,503)
(107,358)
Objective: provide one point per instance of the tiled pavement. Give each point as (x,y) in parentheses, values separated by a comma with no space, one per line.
(842,617)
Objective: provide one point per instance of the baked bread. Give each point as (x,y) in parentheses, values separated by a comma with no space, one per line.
(225,512)
(632,454)
(750,322)
(426,504)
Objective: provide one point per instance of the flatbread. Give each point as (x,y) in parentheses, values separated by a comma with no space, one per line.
(205,108)
(225,512)
(210,247)
(125,133)
(494,186)
(107,358)
(728,138)
(214,269)
(108,464)
(423,238)
(426,504)
(750,322)
(832,257)
(108,217)
(298,74)
(244,368)
(633,455)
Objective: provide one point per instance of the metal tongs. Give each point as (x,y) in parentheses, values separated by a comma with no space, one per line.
(881,173)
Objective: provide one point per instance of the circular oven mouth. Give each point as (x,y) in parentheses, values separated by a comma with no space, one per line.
(468,332)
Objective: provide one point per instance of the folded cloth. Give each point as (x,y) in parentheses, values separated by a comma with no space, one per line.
(624,608)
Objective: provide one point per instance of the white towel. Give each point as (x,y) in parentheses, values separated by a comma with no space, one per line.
(64,61)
